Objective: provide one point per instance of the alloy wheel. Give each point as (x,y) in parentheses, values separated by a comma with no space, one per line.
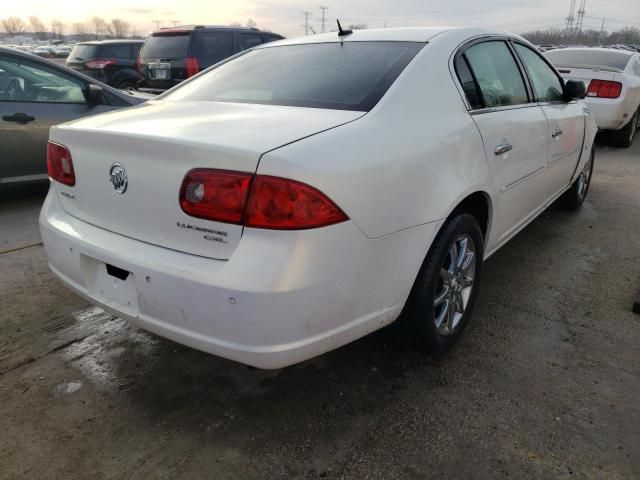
(455,285)
(584,179)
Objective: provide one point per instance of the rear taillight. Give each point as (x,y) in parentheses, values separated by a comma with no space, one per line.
(60,164)
(284,204)
(215,195)
(99,64)
(139,68)
(257,201)
(604,89)
(193,66)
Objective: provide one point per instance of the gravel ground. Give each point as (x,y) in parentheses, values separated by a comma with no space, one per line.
(544,384)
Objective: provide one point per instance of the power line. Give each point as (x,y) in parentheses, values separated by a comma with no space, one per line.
(581,12)
(323,21)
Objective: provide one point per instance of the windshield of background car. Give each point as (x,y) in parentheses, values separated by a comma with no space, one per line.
(165,45)
(84,52)
(589,58)
(349,76)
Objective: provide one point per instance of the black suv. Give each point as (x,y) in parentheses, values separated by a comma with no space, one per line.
(110,61)
(172,55)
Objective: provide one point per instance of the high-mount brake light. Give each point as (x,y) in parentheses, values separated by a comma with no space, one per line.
(257,201)
(60,164)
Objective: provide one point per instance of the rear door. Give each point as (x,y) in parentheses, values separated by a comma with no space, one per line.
(514,130)
(566,119)
(33,97)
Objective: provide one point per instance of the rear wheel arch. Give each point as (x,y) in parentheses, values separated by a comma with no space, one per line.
(479,205)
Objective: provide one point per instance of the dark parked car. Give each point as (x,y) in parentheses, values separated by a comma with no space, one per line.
(34,95)
(172,55)
(110,61)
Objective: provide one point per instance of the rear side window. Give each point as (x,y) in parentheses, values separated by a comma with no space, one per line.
(175,45)
(135,49)
(468,83)
(547,87)
(350,76)
(589,58)
(82,53)
(211,47)
(497,73)
(119,50)
(250,40)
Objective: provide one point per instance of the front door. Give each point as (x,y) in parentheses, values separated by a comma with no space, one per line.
(566,119)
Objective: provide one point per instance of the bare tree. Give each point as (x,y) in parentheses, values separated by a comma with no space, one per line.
(589,37)
(357,26)
(13,25)
(97,26)
(38,27)
(235,24)
(58,28)
(251,23)
(79,29)
(120,28)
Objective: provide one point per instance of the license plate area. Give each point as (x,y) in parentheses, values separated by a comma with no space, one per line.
(111,284)
(159,71)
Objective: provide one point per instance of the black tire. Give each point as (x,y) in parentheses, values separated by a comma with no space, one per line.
(127,85)
(420,314)
(573,198)
(623,138)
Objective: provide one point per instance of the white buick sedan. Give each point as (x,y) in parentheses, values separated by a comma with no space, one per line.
(310,191)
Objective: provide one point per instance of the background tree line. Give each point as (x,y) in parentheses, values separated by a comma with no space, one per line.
(92,28)
(588,37)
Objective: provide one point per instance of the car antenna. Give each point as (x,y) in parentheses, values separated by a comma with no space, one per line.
(341,32)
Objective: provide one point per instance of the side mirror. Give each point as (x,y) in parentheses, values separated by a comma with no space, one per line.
(94,94)
(574,90)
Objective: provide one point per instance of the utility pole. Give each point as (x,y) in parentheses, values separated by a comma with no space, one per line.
(601,32)
(570,17)
(581,12)
(323,21)
(306,22)
(175,22)
(157,22)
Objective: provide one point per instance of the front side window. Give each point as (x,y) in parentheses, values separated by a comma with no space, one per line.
(349,76)
(547,87)
(26,82)
(211,47)
(497,74)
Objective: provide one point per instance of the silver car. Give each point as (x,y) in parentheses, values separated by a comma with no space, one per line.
(34,95)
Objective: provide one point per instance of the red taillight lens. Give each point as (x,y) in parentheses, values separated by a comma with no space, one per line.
(193,66)
(604,89)
(99,64)
(139,67)
(215,195)
(60,164)
(283,204)
(270,202)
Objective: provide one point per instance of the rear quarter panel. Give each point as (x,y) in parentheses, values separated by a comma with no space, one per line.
(409,161)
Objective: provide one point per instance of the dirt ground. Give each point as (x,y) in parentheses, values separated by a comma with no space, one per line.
(544,384)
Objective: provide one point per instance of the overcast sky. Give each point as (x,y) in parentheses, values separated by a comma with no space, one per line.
(285,16)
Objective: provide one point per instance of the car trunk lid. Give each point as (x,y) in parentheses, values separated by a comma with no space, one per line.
(157,144)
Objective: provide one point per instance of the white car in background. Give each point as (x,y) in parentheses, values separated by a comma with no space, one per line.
(612,77)
(310,191)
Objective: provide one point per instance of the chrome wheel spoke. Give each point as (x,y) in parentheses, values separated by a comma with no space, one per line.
(453,252)
(441,297)
(467,282)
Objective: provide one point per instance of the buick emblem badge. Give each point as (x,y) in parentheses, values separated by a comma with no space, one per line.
(118,178)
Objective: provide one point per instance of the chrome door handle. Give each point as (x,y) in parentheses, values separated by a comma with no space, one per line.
(503,148)
(556,133)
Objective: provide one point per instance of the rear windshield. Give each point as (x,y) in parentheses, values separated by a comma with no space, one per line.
(166,46)
(84,52)
(589,58)
(349,76)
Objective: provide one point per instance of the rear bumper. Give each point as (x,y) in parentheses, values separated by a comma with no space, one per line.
(282,298)
(610,114)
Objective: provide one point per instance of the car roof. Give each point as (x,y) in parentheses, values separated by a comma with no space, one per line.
(109,42)
(596,49)
(183,28)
